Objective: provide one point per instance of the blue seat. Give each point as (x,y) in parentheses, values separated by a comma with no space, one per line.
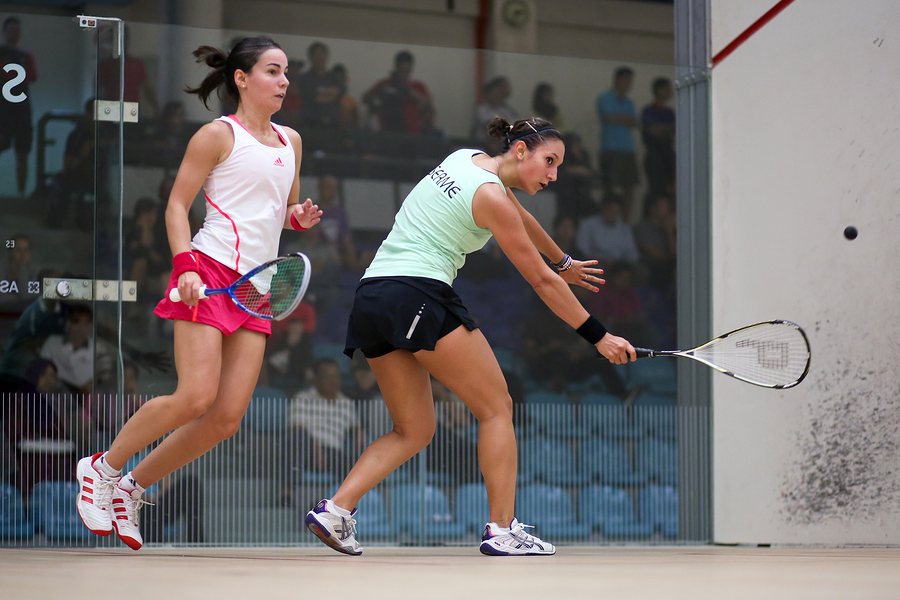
(609,462)
(267,411)
(550,510)
(545,397)
(612,510)
(550,461)
(609,421)
(471,506)
(657,461)
(413,506)
(554,420)
(14,524)
(53,511)
(372,520)
(600,399)
(656,375)
(658,507)
(657,421)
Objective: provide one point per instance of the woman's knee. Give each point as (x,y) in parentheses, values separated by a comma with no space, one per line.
(494,408)
(192,404)
(417,435)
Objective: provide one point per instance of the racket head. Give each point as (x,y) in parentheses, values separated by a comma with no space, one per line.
(774,354)
(274,289)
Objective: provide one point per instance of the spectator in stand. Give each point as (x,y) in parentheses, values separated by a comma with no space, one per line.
(72,190)
(289,353)
(397,101)
(605,237)
(618,164)
(16,129)
(376,420)
(575,181)
(320,91)
(349,118)
(169,141)
(544,106)
(452,451)
(137,81)
(73,352)
(145,252)
(619,303)
(658,121)
(324,424)
(495,93)
(334,227)
(655,239)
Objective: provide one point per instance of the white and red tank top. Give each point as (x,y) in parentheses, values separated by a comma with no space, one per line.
(246,201)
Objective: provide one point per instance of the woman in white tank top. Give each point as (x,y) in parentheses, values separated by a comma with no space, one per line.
(249,171)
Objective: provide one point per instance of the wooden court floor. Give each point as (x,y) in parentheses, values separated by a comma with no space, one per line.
(615,573)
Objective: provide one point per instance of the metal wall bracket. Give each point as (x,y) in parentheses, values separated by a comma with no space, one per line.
(692,78)
(108,110)
(101,290)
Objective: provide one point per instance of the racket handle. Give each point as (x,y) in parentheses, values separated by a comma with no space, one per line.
(174,296)
(644,353)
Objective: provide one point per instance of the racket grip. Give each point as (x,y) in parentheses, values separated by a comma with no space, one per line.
(174,296)
(644,353)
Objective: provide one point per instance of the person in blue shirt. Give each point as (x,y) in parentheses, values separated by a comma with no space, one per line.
(618,163)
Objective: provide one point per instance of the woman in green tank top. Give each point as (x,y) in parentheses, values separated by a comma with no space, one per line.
(410,325)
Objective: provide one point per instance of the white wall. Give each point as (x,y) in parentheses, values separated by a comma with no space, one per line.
(805,126)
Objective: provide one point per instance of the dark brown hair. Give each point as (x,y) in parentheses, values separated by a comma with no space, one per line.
(242,56)
(533,132)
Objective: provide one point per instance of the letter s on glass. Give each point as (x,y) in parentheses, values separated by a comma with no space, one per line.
(9,85)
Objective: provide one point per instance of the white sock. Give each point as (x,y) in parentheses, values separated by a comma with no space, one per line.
(496,529)
(332,507)
(104,467)
(128,484)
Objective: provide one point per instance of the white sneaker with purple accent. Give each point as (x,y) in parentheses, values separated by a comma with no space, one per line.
(337,531)
(514,541)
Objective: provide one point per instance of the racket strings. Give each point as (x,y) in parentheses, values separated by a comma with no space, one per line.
(274,291)
(771,354)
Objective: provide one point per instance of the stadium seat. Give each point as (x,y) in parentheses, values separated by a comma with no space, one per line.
(14,524)
(53,511)
(656,375)
(609,462)
(612,510)
(658,507)
(545,397)
(472,508)
(267,411)
(657,461)
(600,399)
(609,421)
(550,510)
(555,420)
(657,421)
(549,461)
(413,506)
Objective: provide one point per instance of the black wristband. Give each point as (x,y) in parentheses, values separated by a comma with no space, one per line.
(592,330)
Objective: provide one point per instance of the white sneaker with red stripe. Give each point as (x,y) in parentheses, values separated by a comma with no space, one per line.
(94,499)
(126,508)
(514,541)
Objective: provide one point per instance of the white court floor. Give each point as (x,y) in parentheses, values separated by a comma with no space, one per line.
(614,573)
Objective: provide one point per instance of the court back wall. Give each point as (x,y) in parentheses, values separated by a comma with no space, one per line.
(805,131)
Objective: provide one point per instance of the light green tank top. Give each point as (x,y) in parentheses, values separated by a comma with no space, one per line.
(434,229)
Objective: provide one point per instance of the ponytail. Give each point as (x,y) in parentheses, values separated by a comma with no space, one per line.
(242,57)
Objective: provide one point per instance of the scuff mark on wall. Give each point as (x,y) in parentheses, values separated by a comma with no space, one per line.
(846,465)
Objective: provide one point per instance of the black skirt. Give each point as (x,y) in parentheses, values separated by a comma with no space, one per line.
(408,313)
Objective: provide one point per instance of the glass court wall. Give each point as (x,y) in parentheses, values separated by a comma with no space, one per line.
(598,445)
